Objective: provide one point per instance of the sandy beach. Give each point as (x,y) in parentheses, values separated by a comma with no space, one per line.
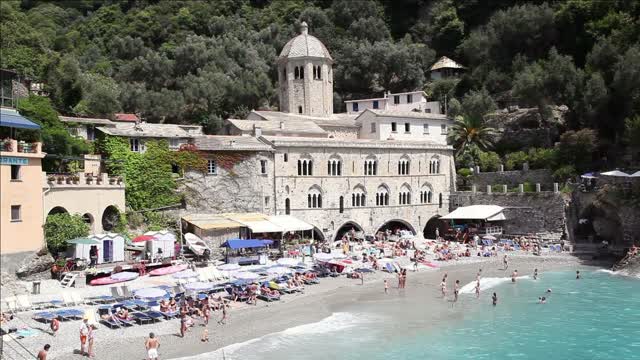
(332,295)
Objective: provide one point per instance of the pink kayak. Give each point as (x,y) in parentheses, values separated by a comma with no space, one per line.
(168,270)
(429,264)
(114,279)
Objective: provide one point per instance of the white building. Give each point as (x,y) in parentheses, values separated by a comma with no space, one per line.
(446,68)
(369,169)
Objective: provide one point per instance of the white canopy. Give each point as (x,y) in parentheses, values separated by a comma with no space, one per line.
(262,226)
(615,173)
(477,212)
(635,174)
(289,223)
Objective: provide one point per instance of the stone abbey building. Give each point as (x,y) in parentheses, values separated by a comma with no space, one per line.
(383,164)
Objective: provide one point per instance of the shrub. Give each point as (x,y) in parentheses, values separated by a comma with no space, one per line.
(464,172)
(489,161)
(576,148)
(529,187)
(62,227)
(541,158)
(515,160)
(564,173)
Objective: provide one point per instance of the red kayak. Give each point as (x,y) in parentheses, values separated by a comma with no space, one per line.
(168,270)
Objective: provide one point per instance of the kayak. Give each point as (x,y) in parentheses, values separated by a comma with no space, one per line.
(429,264)
(114,279)
(168,270)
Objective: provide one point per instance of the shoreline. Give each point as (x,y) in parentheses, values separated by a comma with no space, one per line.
(317,303)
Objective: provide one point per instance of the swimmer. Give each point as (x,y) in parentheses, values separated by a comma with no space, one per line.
(578,275)
(477,289)
(514,274)
(549,291)
(542,300)
(494,299)
(535,274)
(443,287)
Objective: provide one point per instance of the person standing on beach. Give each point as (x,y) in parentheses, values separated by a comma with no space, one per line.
(456,289)
(55,326)
(183,323)
(494,299)
(386,286)
(224,314)
(479,274)
(152,344)
(42,354)
(84,330)
(91,335)
(505,262)
(443,287)
(535,274)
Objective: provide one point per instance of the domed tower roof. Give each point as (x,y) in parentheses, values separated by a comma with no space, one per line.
(304,45)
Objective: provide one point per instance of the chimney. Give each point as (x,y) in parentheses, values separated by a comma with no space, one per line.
(257,130)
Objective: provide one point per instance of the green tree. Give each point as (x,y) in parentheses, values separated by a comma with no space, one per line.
(632,132)
(489,161)
(576,149)
(59,228)
(515,160)
(470,131)
(541,158)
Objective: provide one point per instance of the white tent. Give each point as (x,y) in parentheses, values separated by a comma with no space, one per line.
(164,240)
(635,174)
(289,223)
(110,249)
(615,173)
(477,212)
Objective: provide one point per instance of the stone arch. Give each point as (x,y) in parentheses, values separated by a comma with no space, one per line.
(88,218)
(57,210)
(429,231)
(110,218)
(345,228)
(396,224)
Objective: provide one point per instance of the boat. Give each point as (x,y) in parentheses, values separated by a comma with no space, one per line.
(196,245)
(114,279)
(168,270)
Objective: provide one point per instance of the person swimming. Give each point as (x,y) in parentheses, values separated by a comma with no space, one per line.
(542,300)
(514,274)
(549,291)
(578,275)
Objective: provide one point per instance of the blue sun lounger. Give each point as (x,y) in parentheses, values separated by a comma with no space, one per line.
(44,316)
(155,315)
(141,318)
(69,314)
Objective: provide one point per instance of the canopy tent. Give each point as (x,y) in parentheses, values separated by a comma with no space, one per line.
(477,212)
(246,244)
(82,246)
(262,226)
(615,173)
(256,222)
(635,174)
(83,241)
(11,118)
(290,223)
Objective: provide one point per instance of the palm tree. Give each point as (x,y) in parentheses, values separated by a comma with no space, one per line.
(470,131)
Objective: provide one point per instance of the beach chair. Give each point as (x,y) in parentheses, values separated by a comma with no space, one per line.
(44,316)
(24,303)
(177,290)
(67,300)
(77,298)
(126,292)
(155,315)
(69,314)
(115,294)
(141,318)
(267,298)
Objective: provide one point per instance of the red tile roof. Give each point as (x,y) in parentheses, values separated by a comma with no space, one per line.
(126,117)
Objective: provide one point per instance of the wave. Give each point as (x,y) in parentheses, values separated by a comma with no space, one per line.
(487,283)
(335,322)
(618,273)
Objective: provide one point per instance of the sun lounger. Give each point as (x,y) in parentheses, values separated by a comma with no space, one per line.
(268,298)
(11,304)
(126,293)
(44,316)
(155,315)
(77,298)
(69,314)
(141,318)
(169,314)
(95,300)
(115,294)
(67,300)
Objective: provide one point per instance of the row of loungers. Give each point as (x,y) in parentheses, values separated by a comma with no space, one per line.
(64,314)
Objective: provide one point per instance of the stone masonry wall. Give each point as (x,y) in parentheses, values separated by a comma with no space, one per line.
(512,178)
(525,212)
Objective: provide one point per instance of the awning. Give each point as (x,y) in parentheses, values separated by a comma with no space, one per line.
(477,212)
(635,174)
(615,173)
(11,118)
(289,223)
(246,244)
(262,226)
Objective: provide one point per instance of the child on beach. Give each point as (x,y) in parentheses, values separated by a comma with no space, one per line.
(224,314)
(55,326)
(386,286)
(152,344)
(205,335)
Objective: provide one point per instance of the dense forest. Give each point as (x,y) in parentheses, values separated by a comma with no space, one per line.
(202,61)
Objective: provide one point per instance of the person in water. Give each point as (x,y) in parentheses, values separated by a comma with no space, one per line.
(456,290)
(578,275)
(494,299)
(535,274)
(505,262)
(514,274)
(478,289)
(443,287)
(542,300)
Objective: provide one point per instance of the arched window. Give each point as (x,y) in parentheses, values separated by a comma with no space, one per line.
(434,165)
(301,72)
(319,73)
(358,196)
(440,200)
(426,194)
(403,165)
(287,206)
(382,196)
(371,166)
(296,73)
(315,73)
(305,166)
(404,196)
(314,197)
(334,166)
(341,204)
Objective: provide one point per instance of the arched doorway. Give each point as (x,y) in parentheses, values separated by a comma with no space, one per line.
(88,219)
(57,210)
(396,224)
(110,218)
(345,228)
(315,234)
(429,231)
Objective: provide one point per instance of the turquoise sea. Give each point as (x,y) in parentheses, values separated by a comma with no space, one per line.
(597,317)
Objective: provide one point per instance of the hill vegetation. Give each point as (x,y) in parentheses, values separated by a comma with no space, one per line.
(199,62)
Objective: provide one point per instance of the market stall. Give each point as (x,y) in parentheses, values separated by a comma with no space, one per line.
(250,251)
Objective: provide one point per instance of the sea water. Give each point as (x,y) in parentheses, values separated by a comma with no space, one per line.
(596,317)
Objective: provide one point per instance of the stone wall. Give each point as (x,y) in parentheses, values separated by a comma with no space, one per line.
(512,178)
(525,212)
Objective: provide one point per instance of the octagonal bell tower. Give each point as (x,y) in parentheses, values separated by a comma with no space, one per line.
(305,76)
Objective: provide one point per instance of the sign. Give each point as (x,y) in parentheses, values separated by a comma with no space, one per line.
(9,160)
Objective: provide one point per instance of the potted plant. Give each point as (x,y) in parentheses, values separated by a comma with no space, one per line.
(68,179)
(120,179)
(51,178)
(98,180)
(60,179)
(112,180)
(7,145)
(89,178)
(75,179)
(34,146)
(21,146)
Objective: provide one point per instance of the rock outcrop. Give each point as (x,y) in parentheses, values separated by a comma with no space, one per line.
(35,264)
(527,127)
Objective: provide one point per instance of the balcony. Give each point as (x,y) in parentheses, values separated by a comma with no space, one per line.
(84,180)
(12,147)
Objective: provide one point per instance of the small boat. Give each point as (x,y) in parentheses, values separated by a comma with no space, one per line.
(196,245)
(114,278)
(429,264)
(168,270)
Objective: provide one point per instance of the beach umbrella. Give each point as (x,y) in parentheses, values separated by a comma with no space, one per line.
(152,293)
(489,237)
(635,174)
(615,173)
(83,241)
(199,286)
(588,176)
(288,262)
(323,256)
(185,274)
(143,238)
(229,267)
(278,270)
(124,276)
(245,276)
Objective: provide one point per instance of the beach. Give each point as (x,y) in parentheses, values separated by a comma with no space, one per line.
(332,295)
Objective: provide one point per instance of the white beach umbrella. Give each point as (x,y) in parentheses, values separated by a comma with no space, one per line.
(288,262)
(229,267)
(187,274)
(199,286)
(150,293)
(124,276)
(323,256)
(489,237)
(615,173)
(635,174)
(246,276)
(278,270)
